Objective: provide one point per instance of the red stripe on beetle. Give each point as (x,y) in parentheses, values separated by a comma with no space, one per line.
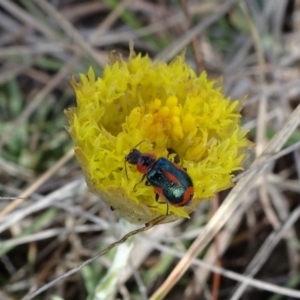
(159,191)
(172,178)
(189,193)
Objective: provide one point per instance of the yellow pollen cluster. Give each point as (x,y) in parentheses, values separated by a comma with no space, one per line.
(164,106)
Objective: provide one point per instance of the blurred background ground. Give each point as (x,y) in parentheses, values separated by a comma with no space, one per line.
(253,45)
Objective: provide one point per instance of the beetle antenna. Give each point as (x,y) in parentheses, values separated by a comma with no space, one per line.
(126,169)
(138,144)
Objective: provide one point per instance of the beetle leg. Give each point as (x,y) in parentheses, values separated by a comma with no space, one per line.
(140,181)
(176,158)
(157,199)
(162,202)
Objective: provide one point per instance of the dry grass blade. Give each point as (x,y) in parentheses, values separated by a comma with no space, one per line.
(28,19)
(111,18)
(38,99)
(269,158)
(12,72)
(38,183)
(263,254)
(71,31)
(66,191)
(225,237)
(227,208)
(262,112)
(15,170)
(87,262)
(232,275)
(195,42)
(46,234)
(175,47)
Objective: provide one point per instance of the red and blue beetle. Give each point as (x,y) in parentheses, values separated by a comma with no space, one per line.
(170,181)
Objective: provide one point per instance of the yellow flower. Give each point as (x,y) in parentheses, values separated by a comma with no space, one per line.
(165,106)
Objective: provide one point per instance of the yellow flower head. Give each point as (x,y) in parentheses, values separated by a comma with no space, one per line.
(165,106)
